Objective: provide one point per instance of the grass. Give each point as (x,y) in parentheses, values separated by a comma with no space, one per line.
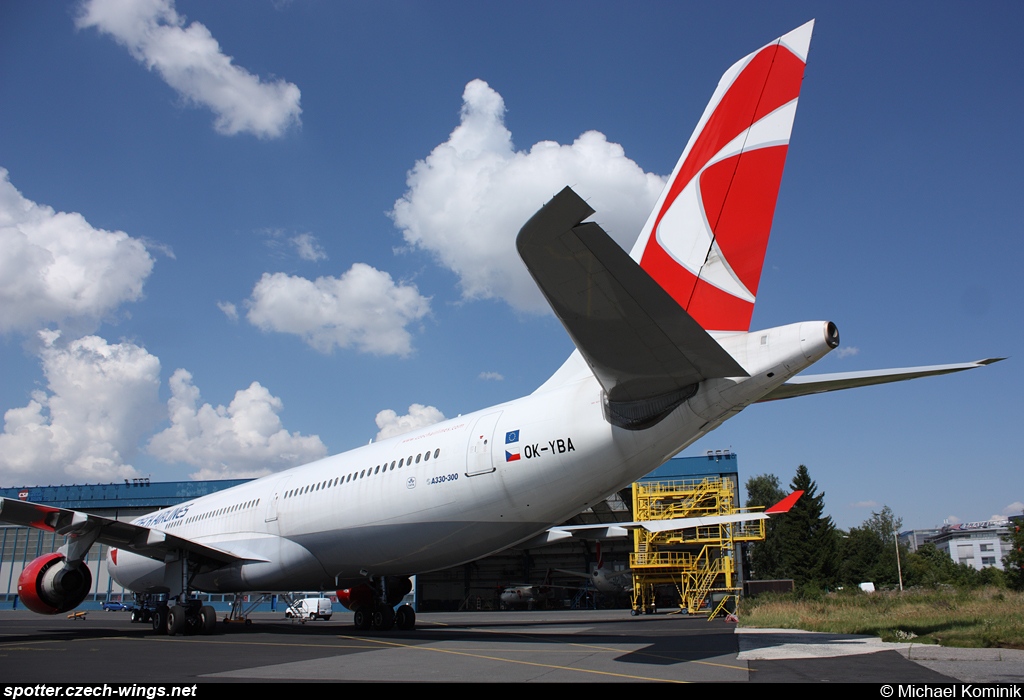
(987,617)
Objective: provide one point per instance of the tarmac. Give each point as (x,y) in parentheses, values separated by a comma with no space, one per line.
(511,647)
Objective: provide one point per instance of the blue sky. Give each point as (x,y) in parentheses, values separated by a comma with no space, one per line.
(231,288)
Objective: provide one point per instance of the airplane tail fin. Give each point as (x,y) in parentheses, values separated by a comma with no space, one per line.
(706,239)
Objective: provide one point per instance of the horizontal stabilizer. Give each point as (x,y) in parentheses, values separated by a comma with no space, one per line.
(820,383)
(607,531)
(640,344)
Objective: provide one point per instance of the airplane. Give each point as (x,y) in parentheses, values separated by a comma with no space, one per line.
(664,355)
(605,579)
(529,595)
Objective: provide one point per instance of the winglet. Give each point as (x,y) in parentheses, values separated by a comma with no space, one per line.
(785,504)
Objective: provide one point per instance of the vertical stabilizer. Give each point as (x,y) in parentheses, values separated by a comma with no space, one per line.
(705,241)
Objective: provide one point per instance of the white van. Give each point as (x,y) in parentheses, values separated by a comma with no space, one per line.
(310,609)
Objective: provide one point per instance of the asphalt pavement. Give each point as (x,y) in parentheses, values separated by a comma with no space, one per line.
(559,646)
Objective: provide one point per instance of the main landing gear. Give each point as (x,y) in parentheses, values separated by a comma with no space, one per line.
(381,618)
(187,617)
(373,604)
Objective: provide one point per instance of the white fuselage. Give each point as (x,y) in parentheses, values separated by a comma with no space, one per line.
(455,491)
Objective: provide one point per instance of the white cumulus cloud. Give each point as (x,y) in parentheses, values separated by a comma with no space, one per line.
(190,60)
(1015,508)
(491,376)
(468,199)
(419,416)
(56,268)
(101,399)
(243,439)
(847,351)
(364,309)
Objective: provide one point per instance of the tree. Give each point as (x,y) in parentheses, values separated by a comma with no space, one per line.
(868,552)
(765,557)
(808,540)
(929,566)
(858,550)
(1013,562)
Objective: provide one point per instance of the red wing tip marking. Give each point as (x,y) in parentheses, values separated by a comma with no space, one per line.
(785,504)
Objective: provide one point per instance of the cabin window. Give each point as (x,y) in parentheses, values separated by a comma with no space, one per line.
(437,452)
(377,470)
(426,456)
(418,458)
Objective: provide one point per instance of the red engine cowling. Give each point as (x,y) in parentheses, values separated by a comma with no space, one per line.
(356,597)
(48,587)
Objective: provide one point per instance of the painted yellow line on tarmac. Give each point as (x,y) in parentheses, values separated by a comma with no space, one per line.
(485,657)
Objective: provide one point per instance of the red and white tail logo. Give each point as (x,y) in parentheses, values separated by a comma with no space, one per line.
(710,227)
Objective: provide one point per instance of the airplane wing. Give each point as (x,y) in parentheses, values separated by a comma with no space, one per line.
(645,350)
(155,544)
(820,383)
(608,531)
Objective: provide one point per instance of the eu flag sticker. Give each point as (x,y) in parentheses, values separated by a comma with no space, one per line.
(511,436)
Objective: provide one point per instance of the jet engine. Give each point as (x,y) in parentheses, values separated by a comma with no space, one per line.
(49,586)
(364,596)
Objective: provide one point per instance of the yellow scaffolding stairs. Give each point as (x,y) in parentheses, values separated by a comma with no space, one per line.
(698,563)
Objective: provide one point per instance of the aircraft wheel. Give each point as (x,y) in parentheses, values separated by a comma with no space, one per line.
(159,620)
(208,617)
(634,612)
(135,616)
(361,619)
(383,619)
(175,620)
(405,617)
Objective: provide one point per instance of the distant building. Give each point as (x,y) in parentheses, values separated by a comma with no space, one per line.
(978,544)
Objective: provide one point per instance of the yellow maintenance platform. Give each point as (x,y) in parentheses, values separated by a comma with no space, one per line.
(699,563)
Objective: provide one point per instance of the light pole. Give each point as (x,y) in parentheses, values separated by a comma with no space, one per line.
(899,567)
